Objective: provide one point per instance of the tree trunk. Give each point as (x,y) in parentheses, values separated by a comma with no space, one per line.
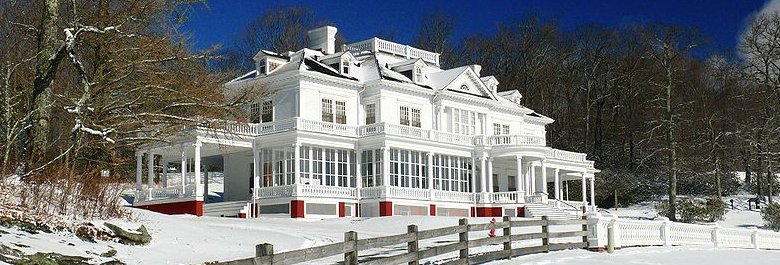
(49,56)
(671,146)
(717,179)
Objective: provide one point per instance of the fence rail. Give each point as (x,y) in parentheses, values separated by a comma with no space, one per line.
(415,252)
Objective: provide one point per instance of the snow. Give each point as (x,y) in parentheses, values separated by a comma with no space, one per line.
(651,255)
(739,217)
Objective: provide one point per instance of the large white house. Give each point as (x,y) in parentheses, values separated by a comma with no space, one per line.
(376,129)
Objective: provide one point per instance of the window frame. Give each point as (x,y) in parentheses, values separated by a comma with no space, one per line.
(370,111)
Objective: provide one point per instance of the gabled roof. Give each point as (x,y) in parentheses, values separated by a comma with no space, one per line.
(405,63)
(453,79)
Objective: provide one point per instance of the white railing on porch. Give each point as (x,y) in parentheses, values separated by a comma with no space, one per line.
(452,196)
(302,190)
(536,198)
(164,193)
(507,197)
(629,233)
(374,45)
(497,140)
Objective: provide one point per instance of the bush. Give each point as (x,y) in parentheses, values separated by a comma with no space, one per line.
(695,210)
(771,215)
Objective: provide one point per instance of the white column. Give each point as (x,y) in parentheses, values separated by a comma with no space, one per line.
(544,178)
(482,173)
(297,163)
(197,170)
(533,178)
(359,173)
(385,166)
(584,187)
(556,185)
(139,157)
(519,174)
(150,170)
(255,168)
(429,167)
(164,181)
(490,174)
(473,174)
(592,191)
(183,171)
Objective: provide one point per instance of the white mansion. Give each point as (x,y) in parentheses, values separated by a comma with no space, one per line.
(377,129)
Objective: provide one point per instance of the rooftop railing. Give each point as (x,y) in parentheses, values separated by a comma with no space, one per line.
(374,45)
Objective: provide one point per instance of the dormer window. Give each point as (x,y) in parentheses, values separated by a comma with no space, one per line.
(345,67)
(261,67)
(418,76)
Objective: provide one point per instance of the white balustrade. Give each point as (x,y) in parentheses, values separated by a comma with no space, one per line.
(451,196)
(504,197)
(536,199)
(631,233)
(164,193)
(377,44)
(299,190)
(326,127)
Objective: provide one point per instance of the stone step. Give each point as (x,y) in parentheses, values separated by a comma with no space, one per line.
(223,208)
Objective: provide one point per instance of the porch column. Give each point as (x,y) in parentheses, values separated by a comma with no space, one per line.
(297,163)
(429,169)
(261,168)
(556,185)
(150,170)
(533,177)
(385,166)
(482,181)
(566,187)
(197,170)
(358,174)
(519,174)
(183,171)
(584,187)
(544,178)
(255,169)
(139,157)
(490,174)
(473,179)
(164,181)
(592,191)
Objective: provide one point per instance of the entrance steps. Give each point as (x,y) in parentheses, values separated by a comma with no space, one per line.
(537,210)
(223,209)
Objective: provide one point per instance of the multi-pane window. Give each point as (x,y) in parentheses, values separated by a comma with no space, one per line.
(268,111)
(409,116)
(465,122)
(254,112)
(452,173)
(334,111)
(408,169)
(283,173)
(345,67)
(371,113)
(328,166)
(261,67)
(499,129)
(371,165)
(418,76)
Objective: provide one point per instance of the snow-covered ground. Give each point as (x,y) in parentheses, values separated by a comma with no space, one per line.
(650,256)
(185,239)
(739,217)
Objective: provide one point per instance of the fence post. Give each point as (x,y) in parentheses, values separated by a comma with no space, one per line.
(546,232)
(265,250)
(464,238)
(666,231)
(351,257)
(412,246)
(754,237)
(715,235)
(611,236)
(508,234)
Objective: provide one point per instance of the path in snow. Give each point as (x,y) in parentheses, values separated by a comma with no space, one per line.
(651,256)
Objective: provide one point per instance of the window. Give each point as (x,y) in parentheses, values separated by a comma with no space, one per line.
(465,122)
(305,164)
(408,169)
(254,113)
(372,167)
(464,87)
(345,67)
(328,107)
(499,129)
(261,67)
(370,113)
(418,76)
(409,116)
(268,111)
(452,173)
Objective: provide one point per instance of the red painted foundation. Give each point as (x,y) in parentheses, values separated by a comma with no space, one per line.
(433,210)
(342,209)
(296,209)
(385,208)
(520,211)
(188,207)
(489,211)
(473,212)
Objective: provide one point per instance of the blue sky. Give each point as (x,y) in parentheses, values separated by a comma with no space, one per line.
(720,20)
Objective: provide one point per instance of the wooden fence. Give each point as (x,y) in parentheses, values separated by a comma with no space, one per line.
(352,246)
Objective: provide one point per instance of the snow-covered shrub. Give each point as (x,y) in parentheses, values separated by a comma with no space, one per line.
(691,210)
(771,215)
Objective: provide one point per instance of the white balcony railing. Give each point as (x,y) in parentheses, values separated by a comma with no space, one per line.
(297,190)
(164,193)
(410,132)
(507,197)
(379,45)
